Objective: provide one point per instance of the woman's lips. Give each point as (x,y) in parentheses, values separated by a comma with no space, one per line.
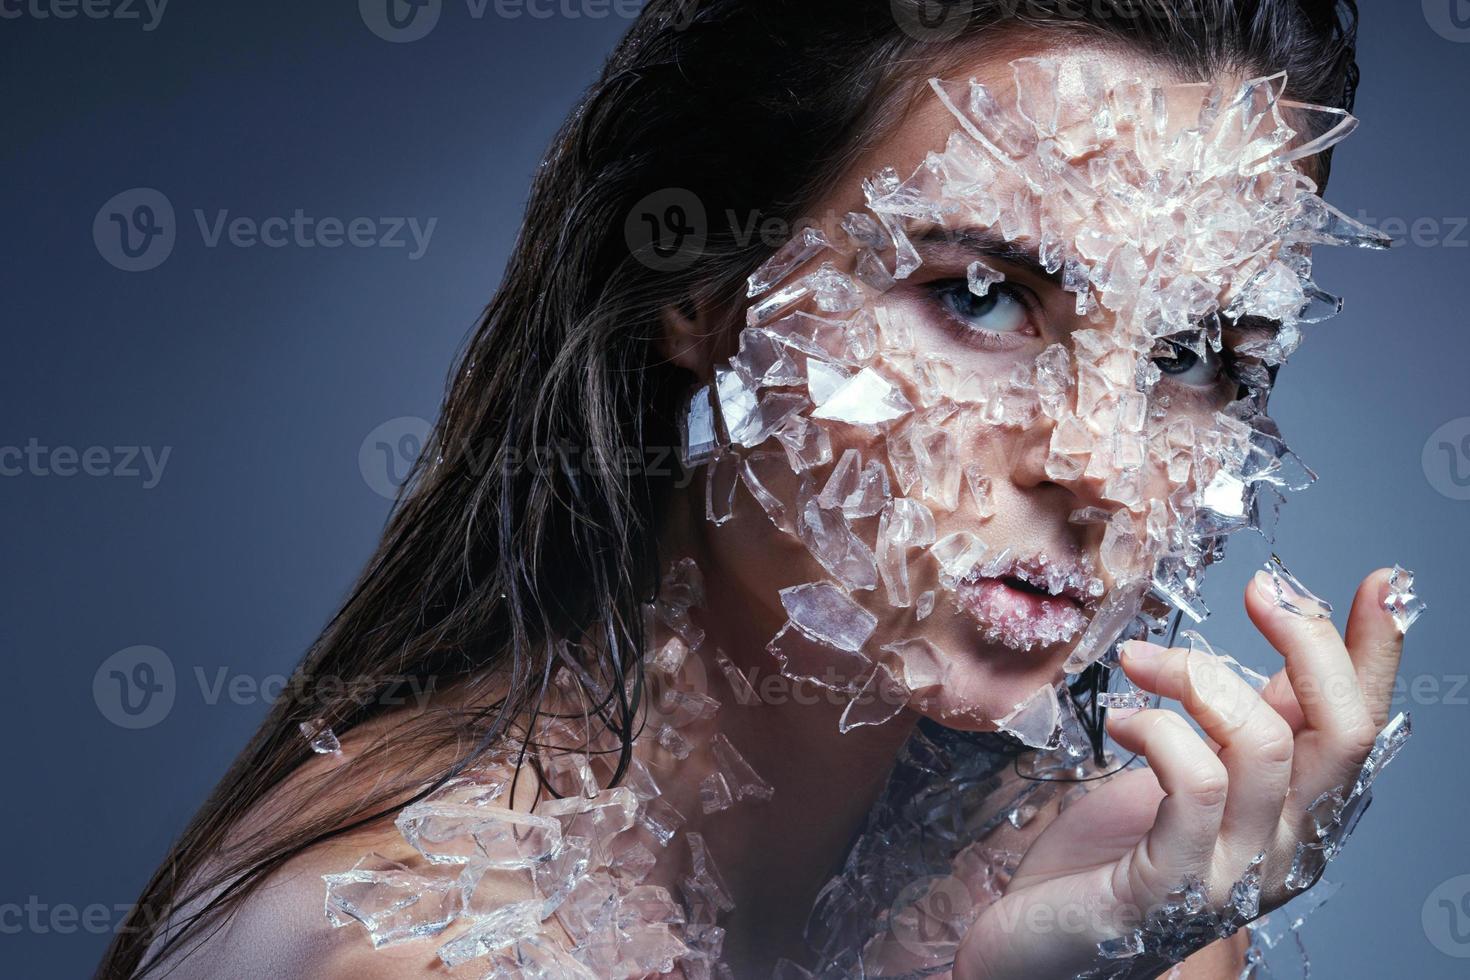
(1019,615)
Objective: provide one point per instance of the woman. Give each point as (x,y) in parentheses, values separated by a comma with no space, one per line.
(962,318)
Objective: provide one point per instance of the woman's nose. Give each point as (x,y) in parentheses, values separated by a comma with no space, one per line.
(1038,459)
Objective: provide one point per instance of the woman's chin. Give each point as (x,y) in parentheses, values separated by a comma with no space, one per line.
(987,682)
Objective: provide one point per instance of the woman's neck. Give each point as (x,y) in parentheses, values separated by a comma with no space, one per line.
(775,855)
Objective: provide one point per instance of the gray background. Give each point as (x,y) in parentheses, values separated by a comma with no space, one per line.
(264,371)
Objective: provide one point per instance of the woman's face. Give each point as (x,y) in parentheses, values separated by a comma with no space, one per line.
(1035,415)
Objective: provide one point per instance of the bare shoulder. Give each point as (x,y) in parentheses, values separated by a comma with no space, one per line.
(280,931)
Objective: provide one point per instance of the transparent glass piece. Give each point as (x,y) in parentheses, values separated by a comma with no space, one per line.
(720,481)
(391,902)
(699,438)
(1292,595)
(867,398)
(1034,721)
(981,277)
(704,880)
(832,542)
(320,737)
(763,361)
(1400,601)
(739,683)
(1037,86)
(823,379)
(714,793)
(904,525)
(881,698)
(1124,699)
(827,614)
(457,833)
(660,819)
(800,657)
(743,780)
(958,554)
(770,481)
(1110,621)
(807,445)
(492,931)
(806,243)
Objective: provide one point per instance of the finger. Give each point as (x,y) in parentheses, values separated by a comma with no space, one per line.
(1317,662)
(1256,743)
(1282,699)
(1375,645)
(1195,783)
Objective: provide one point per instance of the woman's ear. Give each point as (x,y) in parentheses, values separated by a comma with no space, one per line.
(689,337)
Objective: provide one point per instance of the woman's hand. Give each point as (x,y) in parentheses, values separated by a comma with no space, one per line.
(1206,809)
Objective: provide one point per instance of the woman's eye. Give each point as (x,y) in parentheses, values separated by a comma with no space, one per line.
(1188,368)
(999,311)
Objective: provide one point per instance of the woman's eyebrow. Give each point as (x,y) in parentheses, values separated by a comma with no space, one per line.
(956,245)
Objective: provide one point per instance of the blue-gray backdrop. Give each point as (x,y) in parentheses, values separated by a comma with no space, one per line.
(205,409)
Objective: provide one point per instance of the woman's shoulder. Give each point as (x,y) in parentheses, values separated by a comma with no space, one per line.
(281,930)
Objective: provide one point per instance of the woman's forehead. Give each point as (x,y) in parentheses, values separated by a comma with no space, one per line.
(927,124)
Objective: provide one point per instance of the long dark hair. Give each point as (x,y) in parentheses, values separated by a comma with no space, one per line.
(524,520)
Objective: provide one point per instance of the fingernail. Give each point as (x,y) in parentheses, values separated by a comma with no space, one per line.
(1217,686)
(1142,652)
(1262,582)
(1121,714)
(1277,585)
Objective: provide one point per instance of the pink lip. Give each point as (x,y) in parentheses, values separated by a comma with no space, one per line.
(1017,617)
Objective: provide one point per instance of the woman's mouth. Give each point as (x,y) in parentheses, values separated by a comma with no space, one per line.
(1027,605)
